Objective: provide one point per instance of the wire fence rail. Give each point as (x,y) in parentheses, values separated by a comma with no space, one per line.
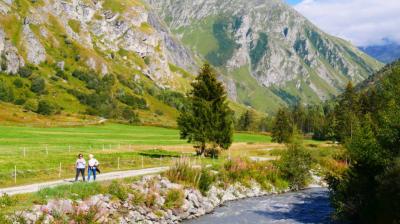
(45,149)
(24,175)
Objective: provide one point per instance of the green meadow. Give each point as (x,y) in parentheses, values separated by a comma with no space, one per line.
(37,154)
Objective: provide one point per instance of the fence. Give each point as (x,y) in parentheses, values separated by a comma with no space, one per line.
(23,175)
(47,149)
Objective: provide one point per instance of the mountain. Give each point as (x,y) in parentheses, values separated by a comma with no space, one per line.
(121,58)
(97,57)
(270,54)
(385,53)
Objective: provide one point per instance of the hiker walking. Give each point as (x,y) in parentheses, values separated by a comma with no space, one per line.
(92,167)
(80,167)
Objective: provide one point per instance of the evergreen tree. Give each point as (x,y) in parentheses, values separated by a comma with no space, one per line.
(295,163)
(298,116)
(246,121)
(208,120)
(282,129)
(367,192)
(347,113)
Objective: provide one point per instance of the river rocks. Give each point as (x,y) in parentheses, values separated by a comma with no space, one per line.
(110,210)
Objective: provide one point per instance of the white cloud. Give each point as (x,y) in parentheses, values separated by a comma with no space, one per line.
(363,22)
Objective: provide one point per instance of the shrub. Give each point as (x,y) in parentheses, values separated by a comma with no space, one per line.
(3,62)
(6,201)
(4,219)
(118,190)
(38,85)
(295,165)
(205,181)
(130,115)
(62,75)
(174,198)
(6,92)
(133,101)
(45,108)
(89,217)
(18,83)
(31,105)
(25,72)
(181,172)
(138,197)
(159,112)
(150,200)
(20,101)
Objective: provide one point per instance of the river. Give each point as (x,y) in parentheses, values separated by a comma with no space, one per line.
(307,206)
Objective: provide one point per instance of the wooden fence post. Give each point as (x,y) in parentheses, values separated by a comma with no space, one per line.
(142,163)
(59,171)
(118,162)
(15,174)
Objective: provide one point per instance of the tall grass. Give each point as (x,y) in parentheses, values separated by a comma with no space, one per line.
(79,190)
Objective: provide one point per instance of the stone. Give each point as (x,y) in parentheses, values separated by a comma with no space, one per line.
(60,65)
(35,50)
(10,60)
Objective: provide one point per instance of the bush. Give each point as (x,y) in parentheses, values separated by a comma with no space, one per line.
(138,197)
(45,108)
(38,85)
(133,101)
(31,105)
(62,75)
(206,180)
(20,101)
(6,92)
(130,115)
(174,198)
(182,173)
(18,83)
(150,200)
(118,190)
(6,201)
(295,164)
(25,72)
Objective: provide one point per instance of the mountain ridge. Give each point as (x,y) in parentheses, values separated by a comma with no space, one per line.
(278,45)
(115,58)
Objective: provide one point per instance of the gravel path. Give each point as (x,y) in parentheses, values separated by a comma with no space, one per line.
(100,177)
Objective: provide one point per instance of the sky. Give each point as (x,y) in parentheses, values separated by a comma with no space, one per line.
(363,22)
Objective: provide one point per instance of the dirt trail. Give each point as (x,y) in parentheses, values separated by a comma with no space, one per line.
(100,177)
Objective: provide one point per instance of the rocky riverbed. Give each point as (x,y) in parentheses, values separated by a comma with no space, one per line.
(106,209)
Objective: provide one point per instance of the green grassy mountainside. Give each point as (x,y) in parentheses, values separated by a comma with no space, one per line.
(133,60)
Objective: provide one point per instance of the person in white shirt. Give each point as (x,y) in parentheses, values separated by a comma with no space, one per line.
(80,165)
(92,167)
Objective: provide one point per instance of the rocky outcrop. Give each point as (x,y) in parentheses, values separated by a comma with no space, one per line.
(109,210)
(10,60)
(35,50)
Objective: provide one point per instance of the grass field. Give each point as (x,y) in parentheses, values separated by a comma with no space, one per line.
(38,153)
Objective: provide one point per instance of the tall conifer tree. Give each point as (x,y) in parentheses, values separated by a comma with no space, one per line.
(208,120)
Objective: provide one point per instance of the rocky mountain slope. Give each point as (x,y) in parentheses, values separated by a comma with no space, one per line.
(114,58)
(73,47)
(269,53)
